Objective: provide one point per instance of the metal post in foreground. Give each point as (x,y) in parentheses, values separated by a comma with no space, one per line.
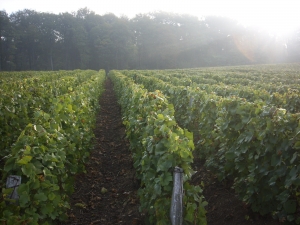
(176,211)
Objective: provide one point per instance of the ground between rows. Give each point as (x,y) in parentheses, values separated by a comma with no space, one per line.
(107,193)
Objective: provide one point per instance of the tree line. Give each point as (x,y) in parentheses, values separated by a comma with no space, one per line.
(33,40)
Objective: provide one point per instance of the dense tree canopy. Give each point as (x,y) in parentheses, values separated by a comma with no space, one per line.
(84,40)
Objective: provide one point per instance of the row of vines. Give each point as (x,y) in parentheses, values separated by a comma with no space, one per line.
(46,128)
(246,121)
(158,145)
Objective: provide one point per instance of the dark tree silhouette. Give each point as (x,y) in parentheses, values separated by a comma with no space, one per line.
(84,40)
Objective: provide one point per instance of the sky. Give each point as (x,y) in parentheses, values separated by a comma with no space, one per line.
(277,16)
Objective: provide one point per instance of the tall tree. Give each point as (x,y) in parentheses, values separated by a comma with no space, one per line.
(26,38)
(6,43)
(84,40)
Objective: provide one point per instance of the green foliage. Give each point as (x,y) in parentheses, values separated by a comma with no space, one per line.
(251,138)
(50,150)
(158,145)
(22,93)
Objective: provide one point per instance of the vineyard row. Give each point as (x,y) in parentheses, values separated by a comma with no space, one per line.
(252,143)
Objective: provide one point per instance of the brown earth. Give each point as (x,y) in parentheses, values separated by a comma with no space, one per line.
(106,193)
(223,207)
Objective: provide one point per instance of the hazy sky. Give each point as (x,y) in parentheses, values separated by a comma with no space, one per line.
(278,16)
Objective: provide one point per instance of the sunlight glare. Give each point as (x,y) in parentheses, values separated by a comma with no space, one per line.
(276,17)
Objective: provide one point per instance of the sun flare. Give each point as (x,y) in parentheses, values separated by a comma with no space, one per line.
(276,17)
(279,17)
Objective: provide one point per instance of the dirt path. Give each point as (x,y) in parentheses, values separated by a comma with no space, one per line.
(224,207)
(106,194)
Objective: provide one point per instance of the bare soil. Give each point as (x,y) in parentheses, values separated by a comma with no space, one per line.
(224,208)
(107,193)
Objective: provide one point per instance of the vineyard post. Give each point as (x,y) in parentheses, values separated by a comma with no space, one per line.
(14,182)
(176,210)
